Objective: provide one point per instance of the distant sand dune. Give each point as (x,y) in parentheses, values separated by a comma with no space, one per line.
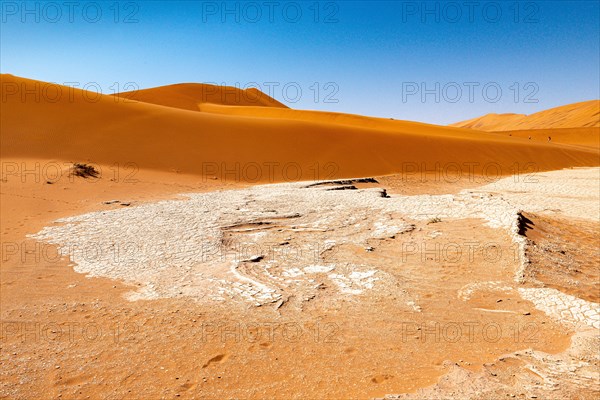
(585,114)
(277,143)
(586,137)
(191,96)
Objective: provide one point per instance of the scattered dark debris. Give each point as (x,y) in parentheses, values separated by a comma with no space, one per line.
(246,225)
(344,182)
(84,170)
(523,223)
(294,215)
(256,258)
(345,187)
(119,202)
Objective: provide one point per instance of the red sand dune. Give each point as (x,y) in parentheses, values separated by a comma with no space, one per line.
(582,137)
(577,115)
(283,144)
(191,96)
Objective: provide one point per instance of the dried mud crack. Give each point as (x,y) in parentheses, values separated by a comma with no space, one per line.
(295,249)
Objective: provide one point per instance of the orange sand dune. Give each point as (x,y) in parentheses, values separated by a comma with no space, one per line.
(576,136)
(577,115)
(320,116)
(587,137)
(191,96)
(299,146)
(254,109)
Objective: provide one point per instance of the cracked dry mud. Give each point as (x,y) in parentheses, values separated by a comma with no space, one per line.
(299,247)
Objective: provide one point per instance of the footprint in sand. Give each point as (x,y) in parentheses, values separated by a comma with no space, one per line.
(380,378)
(217,359)
(188,386)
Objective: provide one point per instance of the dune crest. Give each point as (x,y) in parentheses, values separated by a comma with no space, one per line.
(191,96)
(251,144)
(584,114)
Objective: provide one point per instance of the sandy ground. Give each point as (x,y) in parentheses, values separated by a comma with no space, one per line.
(223,252)
(299,290)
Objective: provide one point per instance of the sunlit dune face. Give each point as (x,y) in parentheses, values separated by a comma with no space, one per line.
(192,96)
(579,115)
(266,143)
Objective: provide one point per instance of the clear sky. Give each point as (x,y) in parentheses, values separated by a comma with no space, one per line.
(374,58)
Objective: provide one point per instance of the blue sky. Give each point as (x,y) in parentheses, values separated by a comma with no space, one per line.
(371,58)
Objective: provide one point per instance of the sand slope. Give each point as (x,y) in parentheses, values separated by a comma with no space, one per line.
(577,115)
(191,96)
(581,137)
(296,145)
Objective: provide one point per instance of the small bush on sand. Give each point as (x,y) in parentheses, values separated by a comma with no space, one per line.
(434,220)
(84,170)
